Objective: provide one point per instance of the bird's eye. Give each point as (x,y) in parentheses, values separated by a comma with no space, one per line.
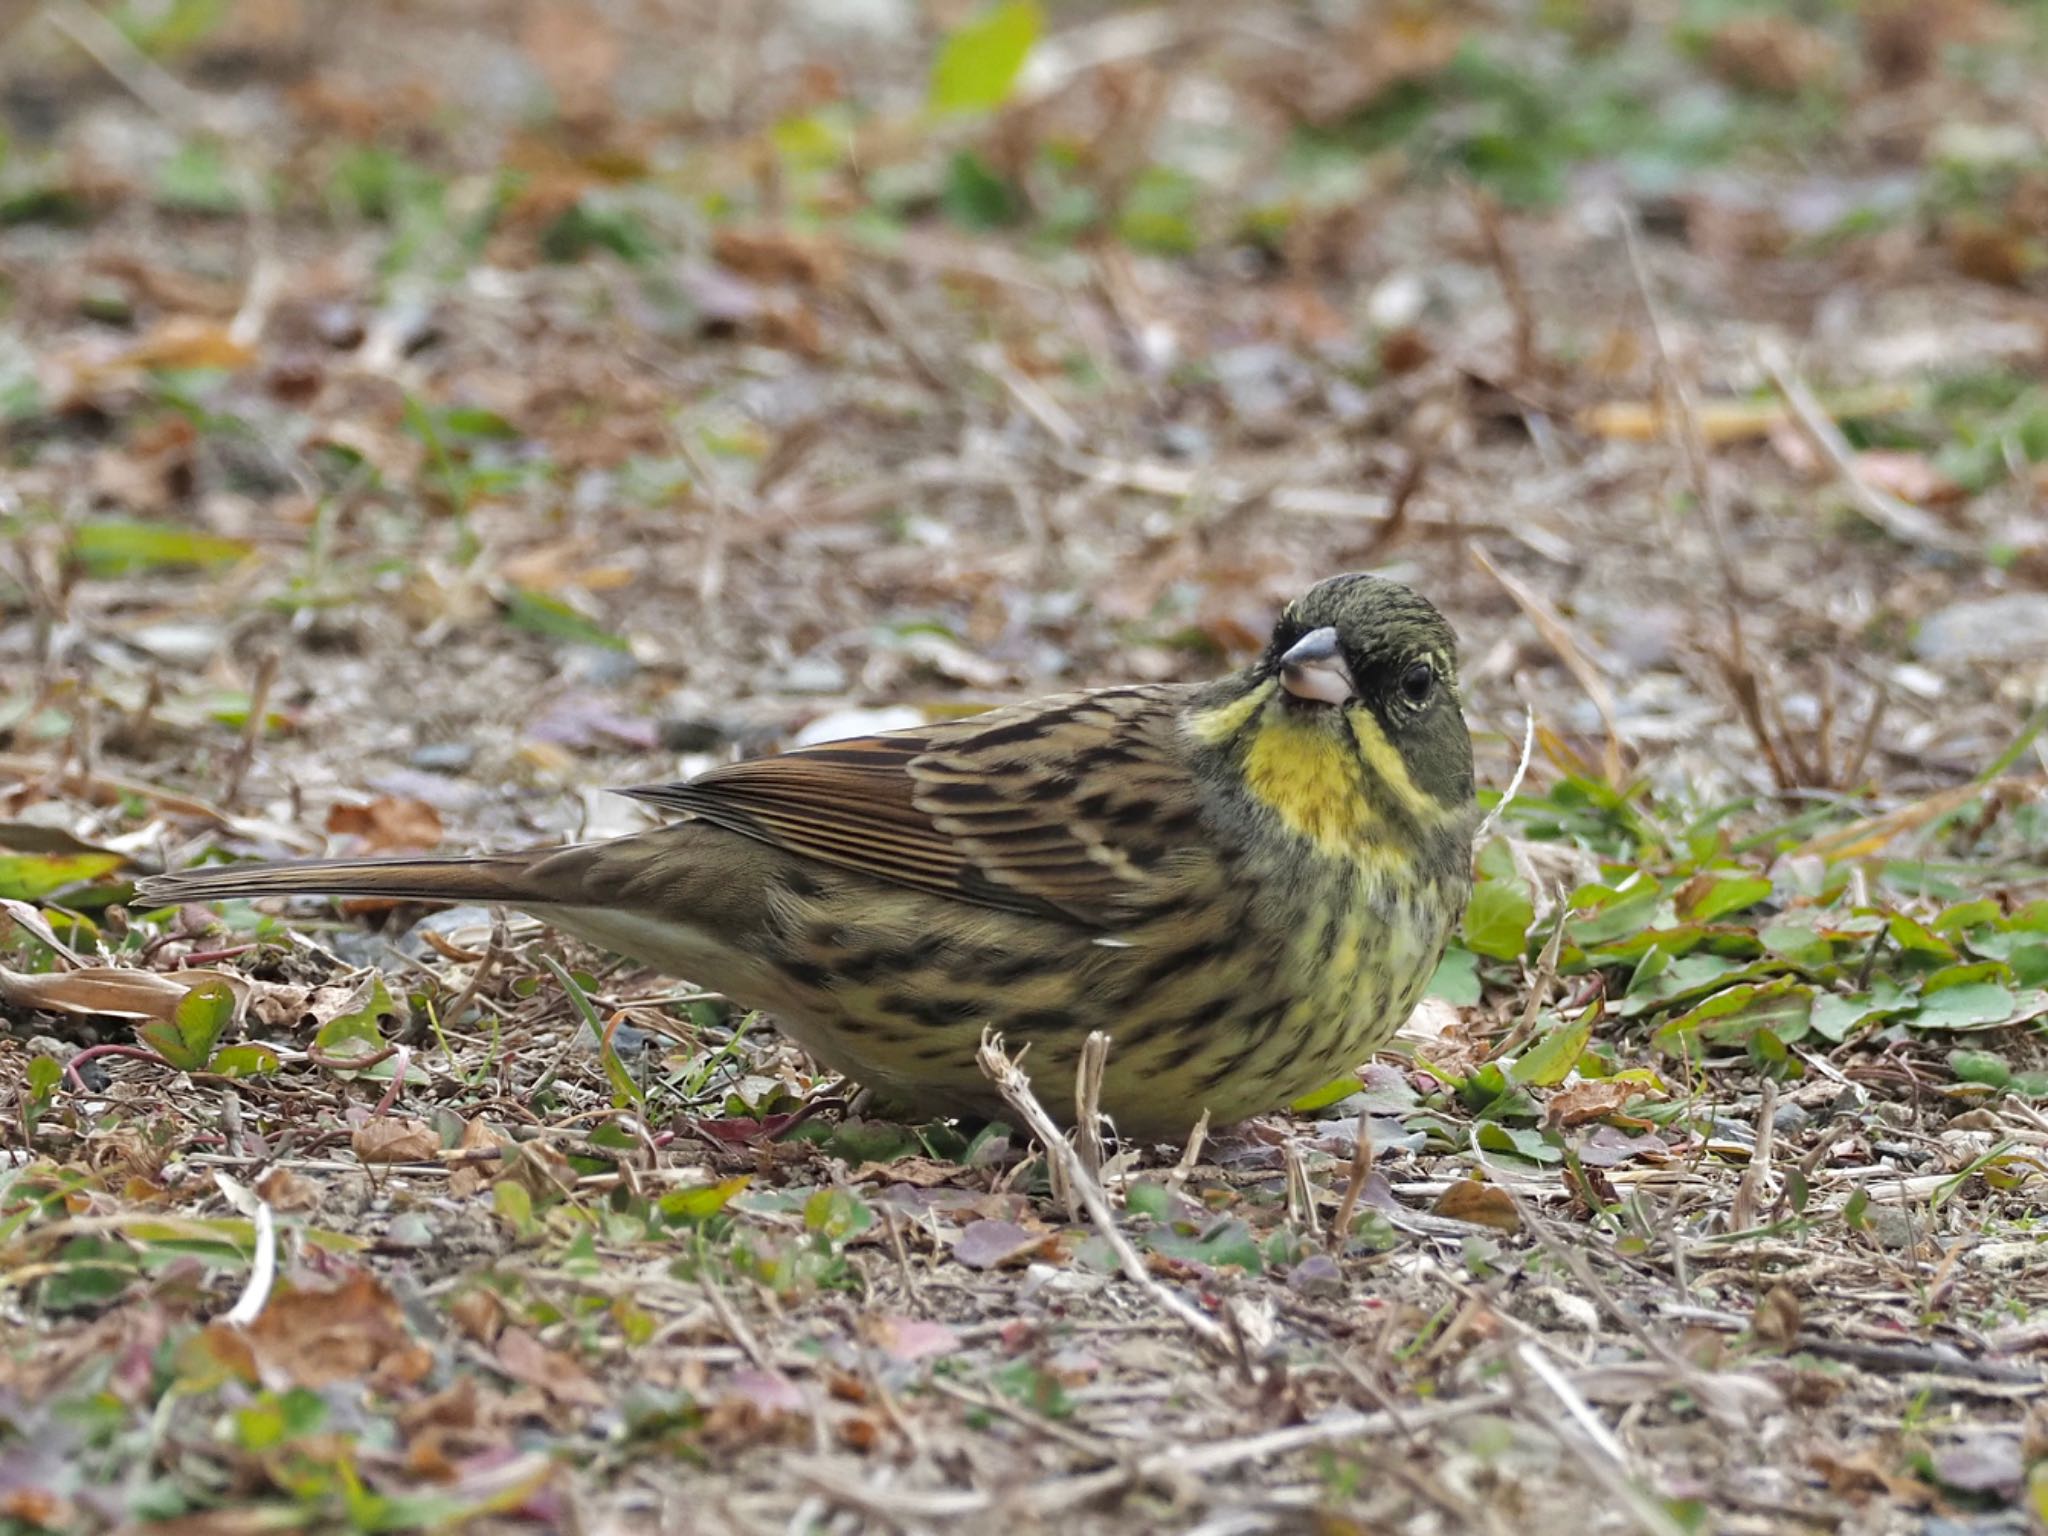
(1417,681)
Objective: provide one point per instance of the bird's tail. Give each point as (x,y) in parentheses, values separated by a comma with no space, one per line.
(501,877)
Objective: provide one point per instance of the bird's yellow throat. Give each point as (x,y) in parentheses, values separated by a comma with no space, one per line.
(1316,783)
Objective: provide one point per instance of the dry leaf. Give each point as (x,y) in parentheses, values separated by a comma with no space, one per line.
(478,1313)
(1775,1322)
(390,1140)
(315,1339)
(388,822)
(106,991)
(1486,1205)
(577,52)
(778,256)
(466,1179)
(1589,1099)
(525,1359)
(286,1191)
(187,341)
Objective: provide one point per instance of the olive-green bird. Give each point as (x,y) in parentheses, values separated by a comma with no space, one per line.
(1246,883)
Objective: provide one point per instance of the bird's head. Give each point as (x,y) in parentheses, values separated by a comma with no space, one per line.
(1370,666)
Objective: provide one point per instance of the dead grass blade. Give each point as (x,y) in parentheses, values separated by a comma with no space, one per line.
(1558,635)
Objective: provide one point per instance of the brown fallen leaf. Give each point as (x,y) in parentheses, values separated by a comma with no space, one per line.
(465,1179)
(1775,1322)
(528,1361)
(1486,1205)
(1589,1099)
(187,341)
(317,1338)
(388,823)
(390,1140)
(108,991)
(778,256)
(286,1191)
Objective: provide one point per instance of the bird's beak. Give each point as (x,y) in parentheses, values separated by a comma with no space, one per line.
(1313,668)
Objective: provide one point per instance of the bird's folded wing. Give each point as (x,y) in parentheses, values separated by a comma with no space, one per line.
(1078,806)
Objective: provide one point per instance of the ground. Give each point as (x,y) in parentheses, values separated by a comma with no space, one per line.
(417,417)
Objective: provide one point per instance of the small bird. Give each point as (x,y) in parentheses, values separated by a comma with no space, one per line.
(1246,884)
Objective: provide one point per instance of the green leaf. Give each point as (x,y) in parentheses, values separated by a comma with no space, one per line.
(115,546)
(187,1038)
(835,1214)
(680,1205)
(359,1033)
(1729,895)
(1732,1016)
(624,1090)
(1964,915)
(1987,1067)
(979,62)
(1796,938)
(1915,938)
(197,179)
(1835,1018)
(1550,1060)
(1457,977)
(1497,922)
(1973,1005)
(1158,212)
(245,1061)
(511,1200)
(1227,1242)
(1148,1199)
(1518,1141)
(32,876)
(541,614)
(976,196)
(1325,1096)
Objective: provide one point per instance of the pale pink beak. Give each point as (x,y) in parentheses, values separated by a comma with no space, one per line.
(1313,668)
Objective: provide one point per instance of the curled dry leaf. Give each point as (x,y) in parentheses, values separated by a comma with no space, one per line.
(108,991)
(314,1339)
(528,1361)
(388,822)
(1775,1322)
(907,1339)
(467,1178)
(991,1244)
(1588,1099)
(1485,1205)
(287,1191)
(387,1140)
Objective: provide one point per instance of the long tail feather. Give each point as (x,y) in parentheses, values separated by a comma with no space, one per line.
(491,877)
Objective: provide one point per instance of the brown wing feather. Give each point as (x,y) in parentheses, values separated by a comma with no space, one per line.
(1076,806)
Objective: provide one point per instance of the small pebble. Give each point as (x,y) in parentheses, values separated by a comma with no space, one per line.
(814,674)
(1791,1120)
(443,756)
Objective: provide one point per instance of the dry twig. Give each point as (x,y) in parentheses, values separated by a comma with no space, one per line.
(1015,1086)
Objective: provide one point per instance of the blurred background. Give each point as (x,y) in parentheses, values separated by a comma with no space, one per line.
(523,396)
(415,416)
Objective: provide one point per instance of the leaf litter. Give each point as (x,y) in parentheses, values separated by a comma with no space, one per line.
(552,423)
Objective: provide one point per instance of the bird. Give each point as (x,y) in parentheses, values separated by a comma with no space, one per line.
(1245,883)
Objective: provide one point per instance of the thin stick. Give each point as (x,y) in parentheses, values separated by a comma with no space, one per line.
(1901,519)
(252,728)
(1088,1102)
(1361,1171)
(1492,817)
(1559,637)
(1610,1467)
(1015,1087)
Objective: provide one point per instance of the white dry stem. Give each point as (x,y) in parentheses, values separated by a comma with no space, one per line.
(263,1270)
(1492,817)
(1064,1162)
(1899,518)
